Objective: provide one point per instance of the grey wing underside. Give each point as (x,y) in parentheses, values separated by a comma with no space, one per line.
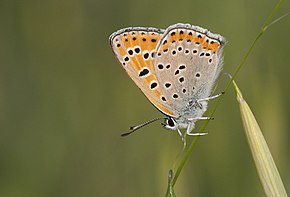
(187,63)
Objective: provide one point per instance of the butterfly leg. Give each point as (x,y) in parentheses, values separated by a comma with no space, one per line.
(210,98)
(198,102)
(190,128)
(201,118)
(182,138)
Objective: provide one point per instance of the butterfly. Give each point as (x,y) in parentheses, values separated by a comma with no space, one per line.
(175,68)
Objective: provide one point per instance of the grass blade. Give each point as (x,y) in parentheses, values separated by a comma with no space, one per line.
(266,168)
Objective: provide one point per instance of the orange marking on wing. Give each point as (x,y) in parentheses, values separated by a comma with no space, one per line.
(134,40)
(157,93)
(205,44)
(135,63)
(122,51)
(149,78)
(199,40)
(150,64)
(144,42)
(140,60)
(181,36)
(126,42)
(163,109)
(189,37)
(140,63)
(153,40)
(147,63)
(165,47)
(172,38)
(214,46)
(129,36)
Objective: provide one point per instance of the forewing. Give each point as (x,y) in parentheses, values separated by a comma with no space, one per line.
(135,49)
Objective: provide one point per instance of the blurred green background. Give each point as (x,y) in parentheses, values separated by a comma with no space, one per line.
(65,100)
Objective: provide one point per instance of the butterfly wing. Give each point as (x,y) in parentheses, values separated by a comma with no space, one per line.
(135,49)
(188,61)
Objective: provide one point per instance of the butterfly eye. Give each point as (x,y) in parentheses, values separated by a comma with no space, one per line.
(170,124)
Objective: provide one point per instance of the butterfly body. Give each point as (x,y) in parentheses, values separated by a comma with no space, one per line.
(175,68)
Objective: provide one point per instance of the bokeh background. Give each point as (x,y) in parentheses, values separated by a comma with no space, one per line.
(65,100)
